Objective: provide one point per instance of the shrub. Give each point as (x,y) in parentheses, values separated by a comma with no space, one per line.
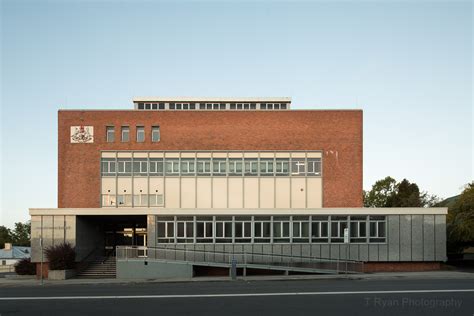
(61,257)
(25,267)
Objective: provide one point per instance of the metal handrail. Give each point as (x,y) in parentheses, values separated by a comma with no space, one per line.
(243,258)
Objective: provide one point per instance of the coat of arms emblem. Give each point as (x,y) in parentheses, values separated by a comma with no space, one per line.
(82,134)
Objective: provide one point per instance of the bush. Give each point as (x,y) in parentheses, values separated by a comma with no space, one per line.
(61,257)
(25,267)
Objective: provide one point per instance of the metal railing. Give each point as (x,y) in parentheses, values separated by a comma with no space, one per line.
(242,259)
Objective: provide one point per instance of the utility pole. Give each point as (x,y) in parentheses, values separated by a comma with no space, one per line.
(41,266)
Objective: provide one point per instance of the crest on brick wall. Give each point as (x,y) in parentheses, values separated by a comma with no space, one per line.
(82,134)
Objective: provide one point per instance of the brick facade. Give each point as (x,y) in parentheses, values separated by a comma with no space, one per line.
(338,133)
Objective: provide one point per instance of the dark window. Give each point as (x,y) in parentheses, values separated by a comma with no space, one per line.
(253,106)
(110,134)
(263,106)
(154,106)
(161,106)
(172,106)
(141,106)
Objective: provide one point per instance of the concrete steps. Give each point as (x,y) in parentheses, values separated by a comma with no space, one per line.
(101,268)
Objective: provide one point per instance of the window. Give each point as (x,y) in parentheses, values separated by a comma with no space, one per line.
(338,224)
(140,167)
(358,229)
(161,106)
(183,106)
(282,166)
(108,166)
(243,229)
(232,106)
(188,167)
(140,200)
(165,229)
(141,106)
(235,166)
(202,106)
(253,106)
(155,134)
(172,166)
(251,166)
(244,106)
(110,134)
(125,133)
(147,106)
(239,106)
(124,167)
(172,106)
(204,229)
(214,106)
(266,167)
(155,199)
(283,106)
(223,229)
(156,167)
(300,229)
(222,106)
(298,166)
(203,167)
(124,199)
(140,134)
(281,229)
(108,200)
(219,167)
(319,229)
(314,167)
(154,106)
(262,229)
(263,106)
(184,229)
(377,226)
(192,106)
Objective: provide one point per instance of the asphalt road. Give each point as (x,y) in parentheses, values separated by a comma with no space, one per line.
(302,297)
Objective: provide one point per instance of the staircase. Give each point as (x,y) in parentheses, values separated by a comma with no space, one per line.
(100,268)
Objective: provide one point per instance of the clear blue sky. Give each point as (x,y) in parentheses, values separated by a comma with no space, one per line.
(407,64)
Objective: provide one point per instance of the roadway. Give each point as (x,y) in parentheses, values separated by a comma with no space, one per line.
(287,297)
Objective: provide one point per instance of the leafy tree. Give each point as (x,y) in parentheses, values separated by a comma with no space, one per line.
(5,236)
(460,221)
(21,234)
(388,193)
(380,193)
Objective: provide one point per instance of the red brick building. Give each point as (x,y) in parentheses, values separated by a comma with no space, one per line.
(220,175)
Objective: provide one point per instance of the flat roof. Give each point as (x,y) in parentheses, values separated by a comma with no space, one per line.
(207,99)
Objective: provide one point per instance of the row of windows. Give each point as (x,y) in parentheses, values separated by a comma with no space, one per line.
(125,134)
(129,200)
(270,229)
(212,106)
(211,166)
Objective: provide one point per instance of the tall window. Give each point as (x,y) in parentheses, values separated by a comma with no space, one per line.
(320,229)
(377,225)
(300,228)
(140,134)
(358,228)
(110,134)
(125,133)
(243,228)
(281,229)
(338,224)
(223,229)
(155,134)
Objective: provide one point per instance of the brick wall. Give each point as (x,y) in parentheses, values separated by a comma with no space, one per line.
(337,133)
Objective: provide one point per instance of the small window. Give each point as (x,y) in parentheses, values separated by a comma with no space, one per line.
(192,106)
(110,134)
(283,106)
(222,106)
(185,106)
(253,106)
(140,134)
(141,106)
(155,134)
(239,106)
(246,106)
(148,106)
(172,107)
(263,106)
(202,106)
(178,106)
(154,106)
(125,133)
(232,107)
(161,106)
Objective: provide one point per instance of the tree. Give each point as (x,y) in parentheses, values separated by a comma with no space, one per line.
(380,193)
(5,236)
(21,234)
(388,193)
(460,221)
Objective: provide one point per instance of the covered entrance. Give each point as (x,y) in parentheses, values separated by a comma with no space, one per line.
(110,231)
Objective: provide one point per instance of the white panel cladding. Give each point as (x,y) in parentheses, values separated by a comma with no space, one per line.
(267,192)
(250,193)
(108,185)
(313,192)
(204,190)
(235,197)
(219,192)
(274,185)
(298,192)
(188,193)
(282,193)
(172,189)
